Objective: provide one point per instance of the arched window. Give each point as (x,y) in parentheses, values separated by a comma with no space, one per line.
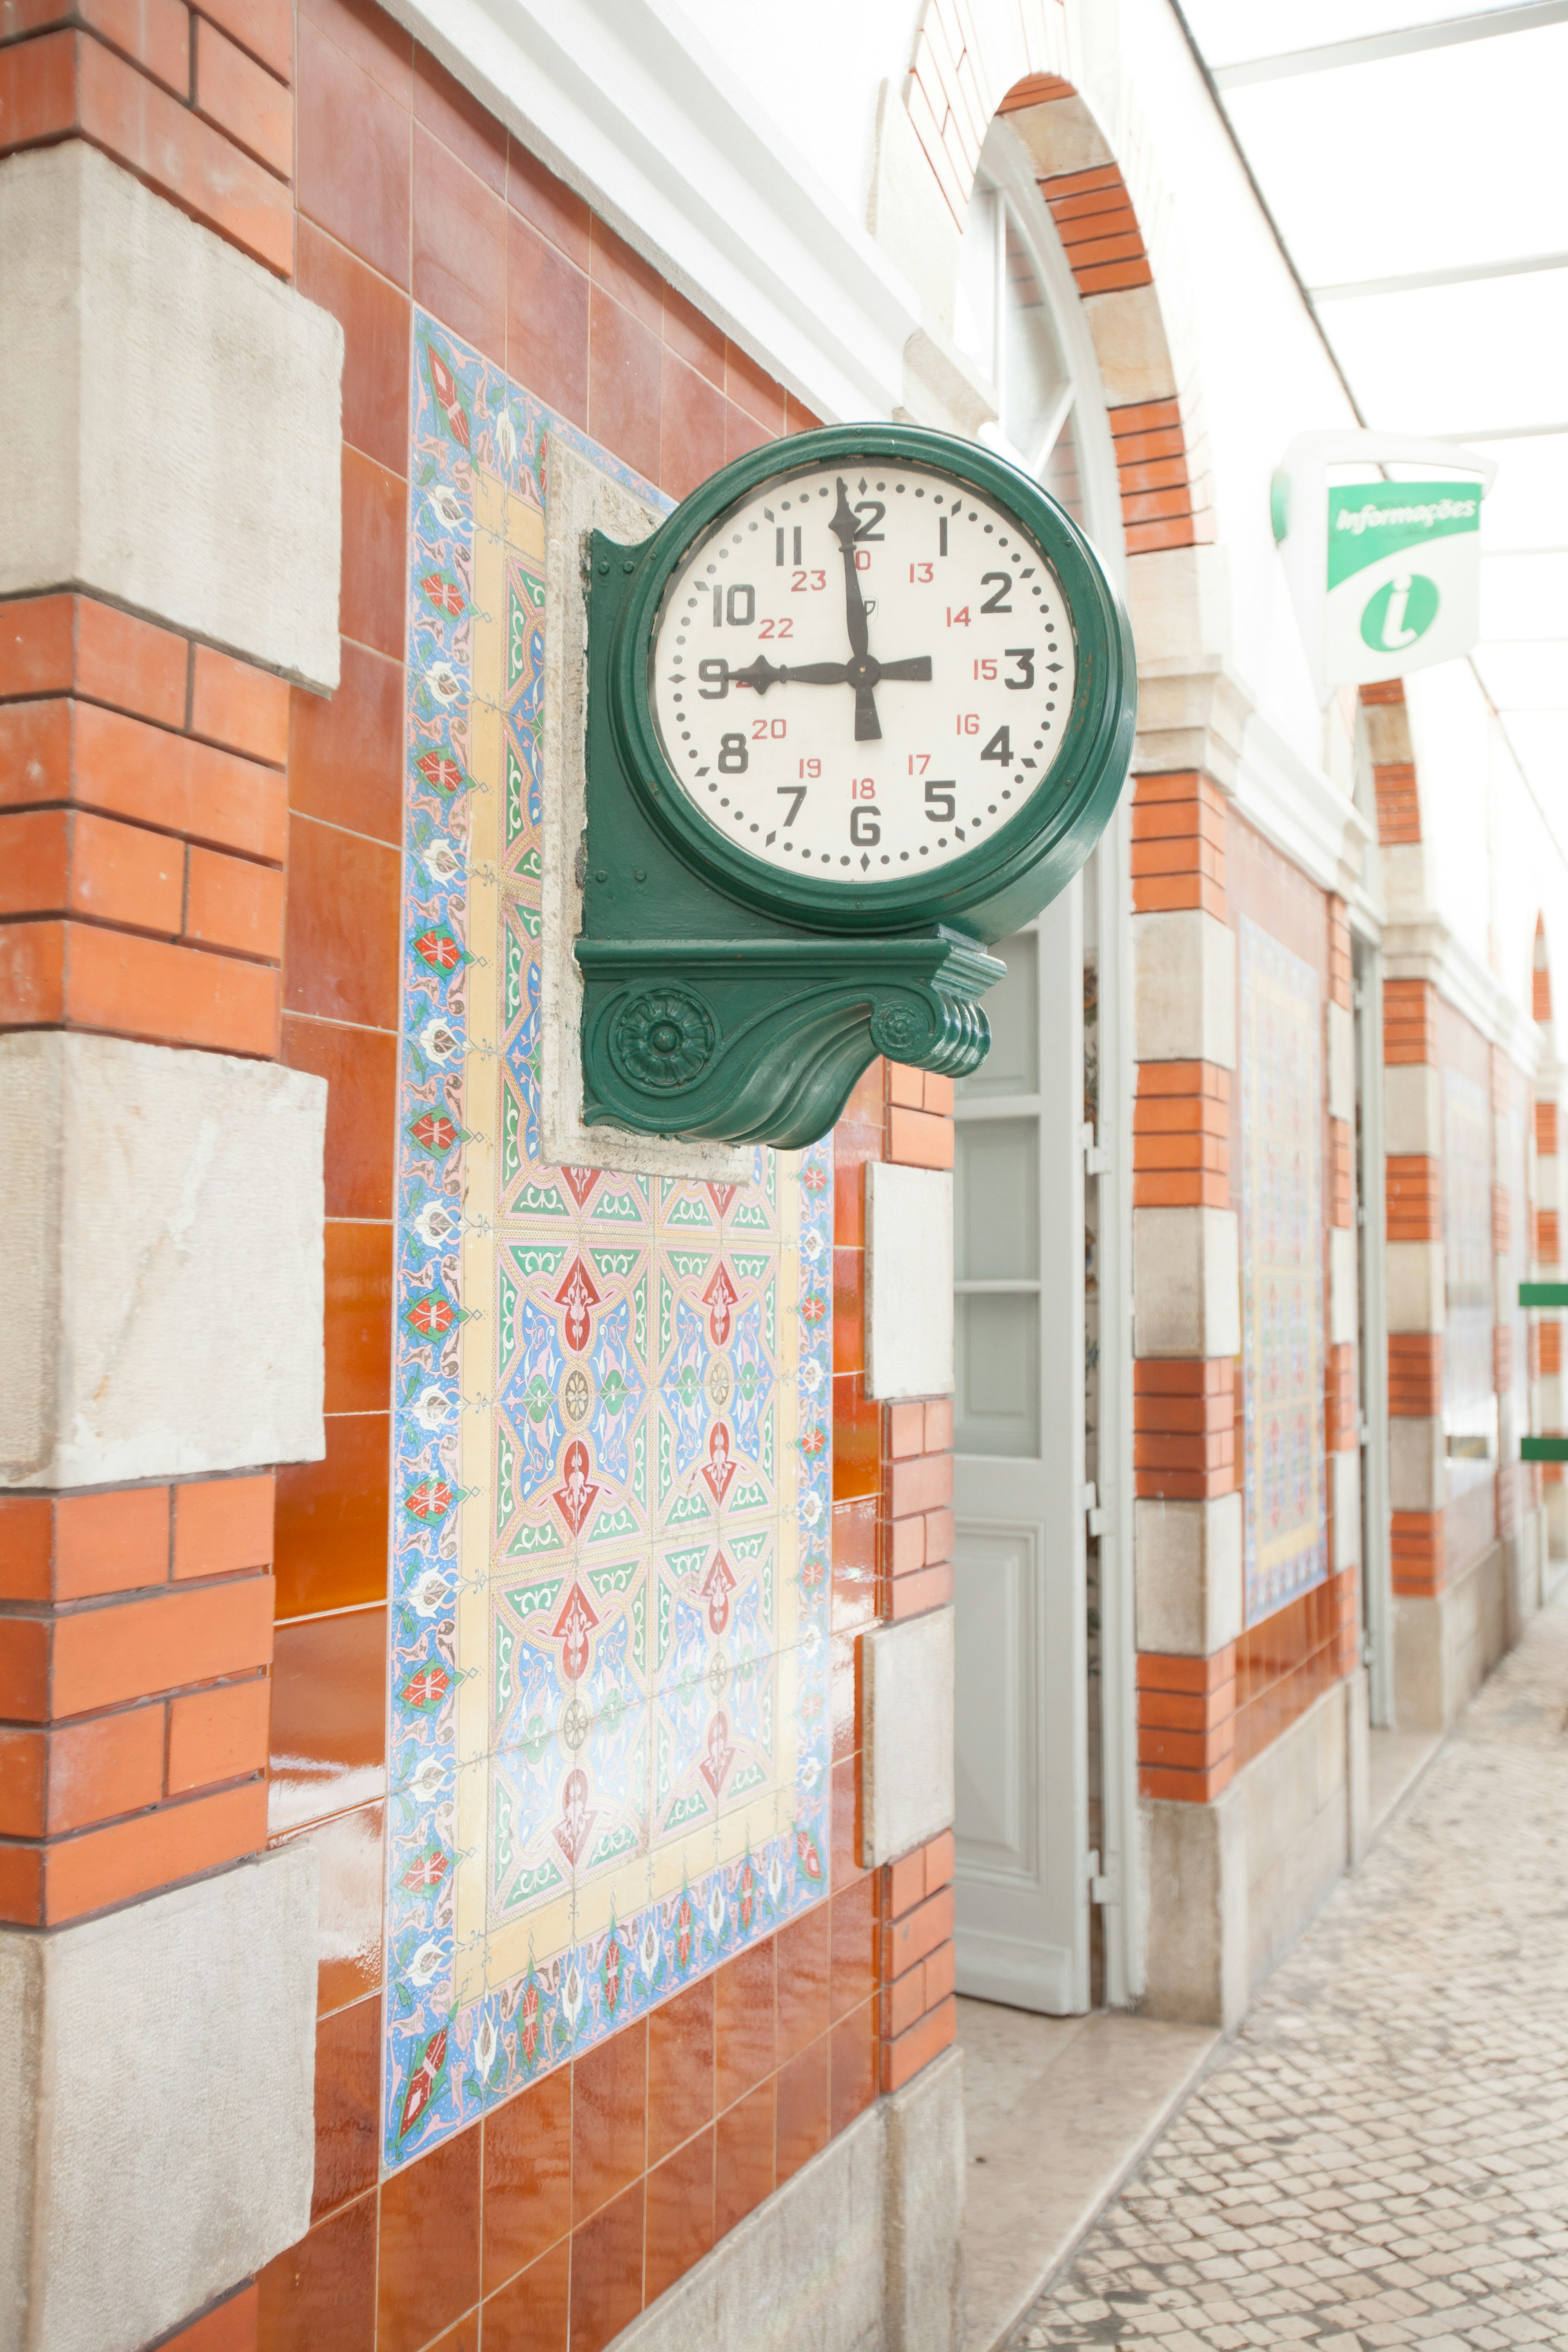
(1020,321)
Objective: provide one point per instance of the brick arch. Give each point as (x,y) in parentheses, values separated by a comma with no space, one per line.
(975,60)
(1394,775)
(1539,975)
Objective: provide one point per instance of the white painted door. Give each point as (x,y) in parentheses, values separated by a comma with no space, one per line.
(1021,1713)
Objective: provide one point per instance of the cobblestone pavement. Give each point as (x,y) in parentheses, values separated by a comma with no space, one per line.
(1381,2157)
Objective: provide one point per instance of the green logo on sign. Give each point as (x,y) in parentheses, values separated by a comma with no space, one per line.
(1402,610)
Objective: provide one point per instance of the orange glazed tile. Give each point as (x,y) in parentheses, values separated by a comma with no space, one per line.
(358,1318)
(741,432)
(230,2328)
(624,367)
(354,174)
(331,1520)
(429,2261)
(547,321)
(239,706)
(635,283)
(854,1563)
(368,34)
(844,1696)
(374,317)
(328,1717)
(360,1066)
(743,2157)
(348,1850)
(845,1862)
(679,2214)
(802,2124)
(681,2069)
(853,1948)
(254,108)
(231,903)
(849,1310)
(744,2023)
(348,2084)
(754,390)
(459,247)
(265,27)
(374,551)
(606,2272)
(321,2293)
(803,1971)
(222,1525)
(464,2337)
(110,1543)
(527,2178)
(341,952)
(531,2313)
(691,430)
(609,2119)
(103,1866)
(852,2066)
(459,120)
(693,337)
(218,1734)
(345,752)
(555,210)
(857,1440)
(113,1764)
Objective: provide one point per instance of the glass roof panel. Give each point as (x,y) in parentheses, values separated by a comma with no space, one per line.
(1541,751)
(1524,597)
(1525,678)
(1458,359)
(1527,505)
(1404,207)
(1229,30)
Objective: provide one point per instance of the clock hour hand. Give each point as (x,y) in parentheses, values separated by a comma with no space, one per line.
(867,727)
(762,672)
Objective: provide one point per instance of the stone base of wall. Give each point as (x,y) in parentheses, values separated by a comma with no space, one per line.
(860,2252)
(1232,1884)
(1445,1646)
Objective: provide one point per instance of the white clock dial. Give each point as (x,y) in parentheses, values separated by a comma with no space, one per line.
(862,671)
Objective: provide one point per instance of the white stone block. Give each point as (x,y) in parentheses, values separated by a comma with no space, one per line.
(1340,1060)
(1197,1924)
(171,416)
(1188,1575)
(927,2180)
(1344,1285)
(1129,333)
(1417,1288)
(1186,1282)
(906,210)
(157,2131)
(907,1760)
(1412,1109)
(1344,1507)
(909,1281)
(1417,1465)
(1183,988)
(166,1213)
(1178,600)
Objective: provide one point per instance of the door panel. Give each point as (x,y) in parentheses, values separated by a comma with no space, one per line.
(1022,1929)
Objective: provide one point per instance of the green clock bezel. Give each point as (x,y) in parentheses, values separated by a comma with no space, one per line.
(1039,849)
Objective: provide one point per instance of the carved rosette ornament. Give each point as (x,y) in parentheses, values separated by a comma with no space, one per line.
(862,704)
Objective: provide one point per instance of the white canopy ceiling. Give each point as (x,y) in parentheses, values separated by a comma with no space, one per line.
(1412,154)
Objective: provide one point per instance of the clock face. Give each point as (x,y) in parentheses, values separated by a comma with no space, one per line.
(862,671)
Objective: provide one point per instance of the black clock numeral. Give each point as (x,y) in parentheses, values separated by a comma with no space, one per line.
(873,510)
(942,538)
(941,801)
(993,603)
(715,675)
(733,756)
(795,794)
(779,545)
(863,830)
(736,604)
(999,749)
(1025,657)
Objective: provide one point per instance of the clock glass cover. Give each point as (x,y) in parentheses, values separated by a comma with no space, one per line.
(862,671)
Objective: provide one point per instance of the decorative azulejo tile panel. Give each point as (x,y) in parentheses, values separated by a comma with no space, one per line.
(608,1681)
(1285,1512)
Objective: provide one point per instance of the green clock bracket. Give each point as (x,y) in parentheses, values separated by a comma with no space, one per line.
(723,999)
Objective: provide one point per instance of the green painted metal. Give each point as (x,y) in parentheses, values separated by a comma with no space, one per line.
(723,998)
(1543,1293)
(1543,1449)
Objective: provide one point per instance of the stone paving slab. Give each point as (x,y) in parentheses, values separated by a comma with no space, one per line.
(1382,2159)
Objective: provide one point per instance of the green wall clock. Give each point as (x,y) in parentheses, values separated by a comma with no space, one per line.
(860,706)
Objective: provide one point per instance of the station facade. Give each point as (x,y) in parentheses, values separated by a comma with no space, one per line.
(522,1715)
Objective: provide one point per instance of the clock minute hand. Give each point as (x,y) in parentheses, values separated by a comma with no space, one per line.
(867,727)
